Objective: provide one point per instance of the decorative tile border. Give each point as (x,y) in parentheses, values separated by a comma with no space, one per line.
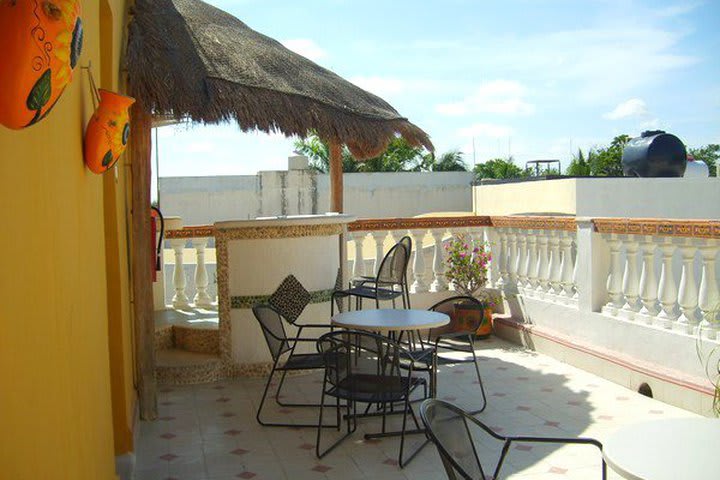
(659,227)
(195,231)
(535,223)
(247,301)
(372,224)
(285,231)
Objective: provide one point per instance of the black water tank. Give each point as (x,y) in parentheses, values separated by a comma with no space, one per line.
(654,154)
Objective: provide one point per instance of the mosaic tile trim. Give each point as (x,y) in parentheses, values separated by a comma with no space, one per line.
(659,227)
(371,224)
(535,223)
(286,231)
(247,301)
(195,231)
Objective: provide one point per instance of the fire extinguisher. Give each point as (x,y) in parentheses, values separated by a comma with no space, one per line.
(156,259)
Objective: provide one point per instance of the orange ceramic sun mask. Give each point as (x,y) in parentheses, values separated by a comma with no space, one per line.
(107,133)
(41,44)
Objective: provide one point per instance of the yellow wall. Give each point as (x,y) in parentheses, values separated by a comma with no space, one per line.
(551,197)
(56,406)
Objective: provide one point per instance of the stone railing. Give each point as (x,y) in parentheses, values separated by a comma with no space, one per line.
(637,292)
(196,237)
(423,276)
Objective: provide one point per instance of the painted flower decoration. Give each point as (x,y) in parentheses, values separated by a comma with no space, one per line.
(70,41)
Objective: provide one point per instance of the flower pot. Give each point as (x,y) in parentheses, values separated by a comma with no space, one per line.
(473,317)
(41,44)
(107,133)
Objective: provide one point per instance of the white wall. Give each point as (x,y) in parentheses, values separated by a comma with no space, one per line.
(205,200)
(696,198)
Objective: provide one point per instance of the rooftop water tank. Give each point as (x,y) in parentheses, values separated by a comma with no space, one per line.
(654,154)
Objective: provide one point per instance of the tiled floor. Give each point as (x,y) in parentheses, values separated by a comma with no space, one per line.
(208,432)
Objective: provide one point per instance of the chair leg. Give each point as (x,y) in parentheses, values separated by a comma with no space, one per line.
(480,383)
(401,461)
(350,429)
(289,404)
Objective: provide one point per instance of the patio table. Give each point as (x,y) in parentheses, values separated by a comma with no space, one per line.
(665,449)
(390,320)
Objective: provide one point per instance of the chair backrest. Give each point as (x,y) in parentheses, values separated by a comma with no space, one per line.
(447,307)
(273,328)
(364,362)
(447,427)
(406,242)
(392,268)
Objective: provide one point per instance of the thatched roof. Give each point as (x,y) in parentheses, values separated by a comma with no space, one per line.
(191,60)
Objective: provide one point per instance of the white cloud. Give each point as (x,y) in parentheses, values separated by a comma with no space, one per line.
(499,96)
(380,85)
(486,130)
(676,10)
(635,107)
(305,47)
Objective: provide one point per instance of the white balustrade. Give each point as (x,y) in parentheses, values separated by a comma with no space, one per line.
(688,293)
(502,258)
(709,297)
(359,264)
(202,297)
(631,280)
(512,259)
(180,299)
(522,273)
(419,285)
(531,263)
(379,238)
(648,282)
(554,263)
(566,266)
(615,278)
(542,273)
(667,289)
(439,283)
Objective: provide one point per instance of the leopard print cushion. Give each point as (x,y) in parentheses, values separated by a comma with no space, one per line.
(290,298)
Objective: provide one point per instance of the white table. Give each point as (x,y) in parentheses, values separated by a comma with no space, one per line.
(390,320)
(671,449)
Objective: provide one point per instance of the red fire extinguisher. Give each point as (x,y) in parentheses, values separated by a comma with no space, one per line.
(156,257)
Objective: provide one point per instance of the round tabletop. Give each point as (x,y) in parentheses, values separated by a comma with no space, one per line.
(665,449)
(387,320)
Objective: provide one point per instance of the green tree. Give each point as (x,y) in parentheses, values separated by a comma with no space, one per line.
(451,161)
(607,161)
(499,168)
(319,154)
(579,166)
(708,154)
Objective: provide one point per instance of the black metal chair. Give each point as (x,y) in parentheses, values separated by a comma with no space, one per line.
(406,242)
(391,273)
(448,338)
(449,428)
(362,367)
(281,346)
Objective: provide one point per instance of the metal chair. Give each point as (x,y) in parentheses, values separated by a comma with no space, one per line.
(406,242)
(273,328)
(381,287)
(449,428)
(362,367)
(447,338)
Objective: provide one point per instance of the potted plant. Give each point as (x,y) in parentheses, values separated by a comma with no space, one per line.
(467,269)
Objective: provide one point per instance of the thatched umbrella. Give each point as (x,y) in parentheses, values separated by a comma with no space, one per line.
(189,60)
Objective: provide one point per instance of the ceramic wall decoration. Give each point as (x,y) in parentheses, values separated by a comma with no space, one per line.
(41,44)
(108,131)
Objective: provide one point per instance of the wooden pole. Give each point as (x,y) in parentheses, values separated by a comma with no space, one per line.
(142,251)
(336,178)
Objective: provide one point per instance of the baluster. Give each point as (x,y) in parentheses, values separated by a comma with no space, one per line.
(439,283)
(512,258)
(541,270)
(531,262)
(379,237)
(648,281)
(180,299)
(615,278)
(576,295)
(688,292)
(554,272)
(709,299)
(359,264)
(419,284)
(522,273)
(566,264)
(502,258)
(631,281)
(667,289)
(202,298)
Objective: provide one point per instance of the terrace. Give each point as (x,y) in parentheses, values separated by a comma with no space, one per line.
(594,310)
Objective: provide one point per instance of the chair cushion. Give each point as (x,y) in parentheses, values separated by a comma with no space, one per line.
(290,298)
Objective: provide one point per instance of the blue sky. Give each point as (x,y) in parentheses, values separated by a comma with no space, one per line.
(533,78)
